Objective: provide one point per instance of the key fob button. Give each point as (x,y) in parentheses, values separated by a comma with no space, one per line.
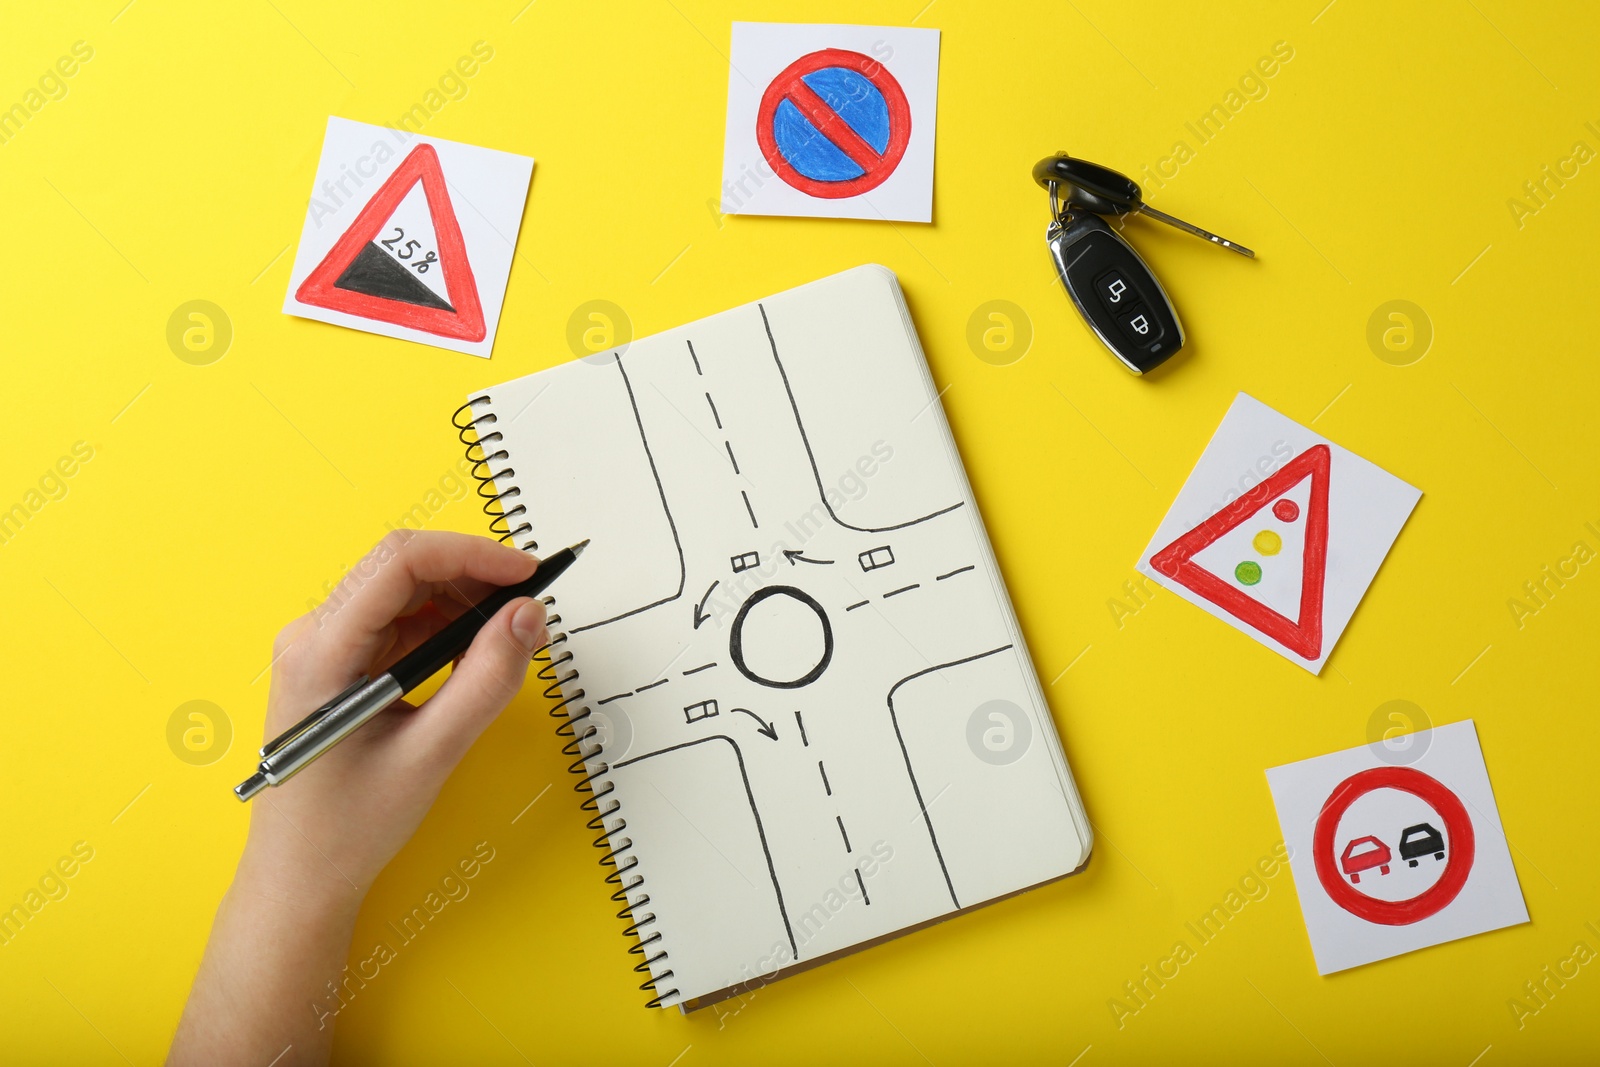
(1141,327)
(1114,290)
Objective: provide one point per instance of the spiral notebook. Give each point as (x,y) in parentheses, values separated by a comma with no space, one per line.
(794,685)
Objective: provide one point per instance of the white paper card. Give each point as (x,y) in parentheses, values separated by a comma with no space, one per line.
(1278,532)
(409,236)
(1395,851)
(831,121)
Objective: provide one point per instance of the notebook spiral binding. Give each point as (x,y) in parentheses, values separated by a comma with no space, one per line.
(496,491)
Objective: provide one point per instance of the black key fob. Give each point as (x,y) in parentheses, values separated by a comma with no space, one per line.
(1115,292)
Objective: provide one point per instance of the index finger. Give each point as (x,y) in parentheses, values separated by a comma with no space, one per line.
(381,586)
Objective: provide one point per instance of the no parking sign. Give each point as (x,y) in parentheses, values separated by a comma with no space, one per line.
(833,121)
(1388,859)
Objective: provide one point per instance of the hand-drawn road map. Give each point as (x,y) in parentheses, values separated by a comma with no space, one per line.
(788,632)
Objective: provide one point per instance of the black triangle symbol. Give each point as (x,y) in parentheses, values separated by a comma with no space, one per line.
(375,273)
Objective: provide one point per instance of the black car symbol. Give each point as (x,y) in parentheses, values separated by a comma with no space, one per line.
(1419,840)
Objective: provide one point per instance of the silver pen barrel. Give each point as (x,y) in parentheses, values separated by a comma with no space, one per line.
(288,759)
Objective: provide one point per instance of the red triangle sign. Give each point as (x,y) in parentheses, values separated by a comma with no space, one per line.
(1176,561)
(386,300)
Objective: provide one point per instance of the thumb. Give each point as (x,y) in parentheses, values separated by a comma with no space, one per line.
(485,679)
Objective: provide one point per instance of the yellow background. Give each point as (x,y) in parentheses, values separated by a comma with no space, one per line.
(222,498)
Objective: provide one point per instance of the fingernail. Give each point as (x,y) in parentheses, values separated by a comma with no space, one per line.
(528,626)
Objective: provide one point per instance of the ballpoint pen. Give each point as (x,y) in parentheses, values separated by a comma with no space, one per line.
(289,753)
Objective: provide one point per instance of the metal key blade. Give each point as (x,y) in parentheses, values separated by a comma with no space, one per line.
(1189,227)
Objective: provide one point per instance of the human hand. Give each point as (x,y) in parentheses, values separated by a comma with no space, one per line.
(317,842)
(326,833)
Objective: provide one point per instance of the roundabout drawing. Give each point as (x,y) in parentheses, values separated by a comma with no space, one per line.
(796,674)
(736,637)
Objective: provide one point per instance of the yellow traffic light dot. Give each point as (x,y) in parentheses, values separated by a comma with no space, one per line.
(1267,543)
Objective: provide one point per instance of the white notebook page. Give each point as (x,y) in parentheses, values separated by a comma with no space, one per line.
(819,717)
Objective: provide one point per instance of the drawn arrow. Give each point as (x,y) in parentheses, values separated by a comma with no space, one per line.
(795,557)
(766,727)
(698,617)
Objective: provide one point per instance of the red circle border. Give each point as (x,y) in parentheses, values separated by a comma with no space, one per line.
(893,96)
(1430,901)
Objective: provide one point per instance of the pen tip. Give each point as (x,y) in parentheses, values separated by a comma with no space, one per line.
(577,549)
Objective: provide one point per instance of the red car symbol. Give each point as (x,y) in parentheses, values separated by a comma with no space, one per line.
(1374,854)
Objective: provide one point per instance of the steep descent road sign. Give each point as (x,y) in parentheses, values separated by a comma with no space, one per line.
(358,277)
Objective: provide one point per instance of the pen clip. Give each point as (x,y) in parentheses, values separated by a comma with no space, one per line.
(311,720)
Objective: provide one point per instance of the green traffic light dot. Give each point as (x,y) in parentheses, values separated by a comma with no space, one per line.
(1248,572)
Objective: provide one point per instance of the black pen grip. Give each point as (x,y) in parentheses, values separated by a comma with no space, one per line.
(430,657)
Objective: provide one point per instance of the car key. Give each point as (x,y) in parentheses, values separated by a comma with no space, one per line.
(1112,288)
(1115,292)
(1102,191)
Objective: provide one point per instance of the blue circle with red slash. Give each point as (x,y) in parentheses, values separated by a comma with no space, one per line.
(834,124)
